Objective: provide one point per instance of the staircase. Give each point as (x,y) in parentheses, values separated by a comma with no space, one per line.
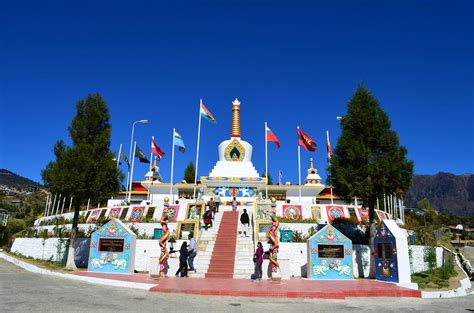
(244,266)
(223,255)
(205,247)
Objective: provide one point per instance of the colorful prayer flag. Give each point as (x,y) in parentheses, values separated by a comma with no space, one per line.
(328,145)
(207,114)
(139,154)
(272,138)
(306,141)
(155,149)
(124,158)
(178,141)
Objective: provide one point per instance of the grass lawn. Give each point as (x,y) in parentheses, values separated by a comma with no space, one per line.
(48,265)
(439,278)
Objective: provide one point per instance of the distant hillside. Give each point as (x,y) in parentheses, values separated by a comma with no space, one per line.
(15,181)
(446,192)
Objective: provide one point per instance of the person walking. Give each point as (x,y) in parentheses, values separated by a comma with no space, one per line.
(183,260)
(234,204)
(207,219)
(218,202)
(245,221)
(258,260)
(192,252)
(212,207)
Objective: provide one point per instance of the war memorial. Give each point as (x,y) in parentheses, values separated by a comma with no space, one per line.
(299,225)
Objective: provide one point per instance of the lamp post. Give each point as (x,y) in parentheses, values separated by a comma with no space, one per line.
(129,183)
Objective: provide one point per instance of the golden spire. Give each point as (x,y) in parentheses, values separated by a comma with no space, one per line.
(235,129)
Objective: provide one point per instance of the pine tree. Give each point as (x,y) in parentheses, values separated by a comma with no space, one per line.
(189,173)
(368,160)
(270,181)
(86,169)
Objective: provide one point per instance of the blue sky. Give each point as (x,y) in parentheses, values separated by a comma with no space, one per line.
(290,63)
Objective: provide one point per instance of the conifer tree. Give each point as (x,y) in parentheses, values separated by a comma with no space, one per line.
(189,173)
(368,160)
(86,169)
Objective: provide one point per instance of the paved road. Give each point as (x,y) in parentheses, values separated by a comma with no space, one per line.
(22,291)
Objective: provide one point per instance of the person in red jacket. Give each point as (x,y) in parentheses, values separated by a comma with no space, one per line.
(258,259)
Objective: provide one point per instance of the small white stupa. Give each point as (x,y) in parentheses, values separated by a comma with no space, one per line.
(235,154)
(313,178)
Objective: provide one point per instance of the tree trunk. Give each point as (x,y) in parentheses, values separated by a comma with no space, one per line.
(372,231)
(70,264)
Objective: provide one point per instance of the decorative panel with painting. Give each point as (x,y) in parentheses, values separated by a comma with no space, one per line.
(137,214)
(386,265)
(292,212)
(334,212)
(112,249)
(329,255)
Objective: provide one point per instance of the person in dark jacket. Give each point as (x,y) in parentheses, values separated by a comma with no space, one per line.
(207,219)
(245,221)
(258,257)
(183,260)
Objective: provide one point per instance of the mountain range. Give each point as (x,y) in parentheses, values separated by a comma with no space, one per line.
(446,192)
(16,182)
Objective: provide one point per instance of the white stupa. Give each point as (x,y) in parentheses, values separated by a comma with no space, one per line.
(313,177)
(235,158)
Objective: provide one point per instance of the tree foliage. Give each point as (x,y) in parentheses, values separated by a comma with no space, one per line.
(270,181)
(368,160)
(189,173)
(86,169)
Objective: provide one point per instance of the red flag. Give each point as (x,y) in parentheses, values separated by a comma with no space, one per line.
(272,138)
(306,141)
(155,149)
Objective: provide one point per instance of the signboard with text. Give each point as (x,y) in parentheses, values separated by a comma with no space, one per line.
(329,255)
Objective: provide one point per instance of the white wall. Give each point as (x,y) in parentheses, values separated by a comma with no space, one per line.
(417,258)
(51,249)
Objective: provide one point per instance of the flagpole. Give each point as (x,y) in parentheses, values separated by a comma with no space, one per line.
(118,156)
(46,204)
(299,171)
(131,173)
(64,202)
(51,210)
(149,170)
(329,165)
(266,162)
(172,166)
(197,151)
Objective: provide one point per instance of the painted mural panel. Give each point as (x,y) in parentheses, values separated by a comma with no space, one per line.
(115,212)
(386,255)
(292,212)
(137,214)
(195,211)
(329,255)
(380,215)
(172,211)
(316,212)
(364,214)
(263,211)
(93,217)
(242,192)
(334,212)
(112,249)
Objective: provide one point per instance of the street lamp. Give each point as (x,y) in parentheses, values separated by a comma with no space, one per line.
(339,118)
(129,183)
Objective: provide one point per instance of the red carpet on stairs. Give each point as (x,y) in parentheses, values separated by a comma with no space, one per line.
(223,256)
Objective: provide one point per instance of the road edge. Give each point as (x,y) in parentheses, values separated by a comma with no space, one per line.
(93,280)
